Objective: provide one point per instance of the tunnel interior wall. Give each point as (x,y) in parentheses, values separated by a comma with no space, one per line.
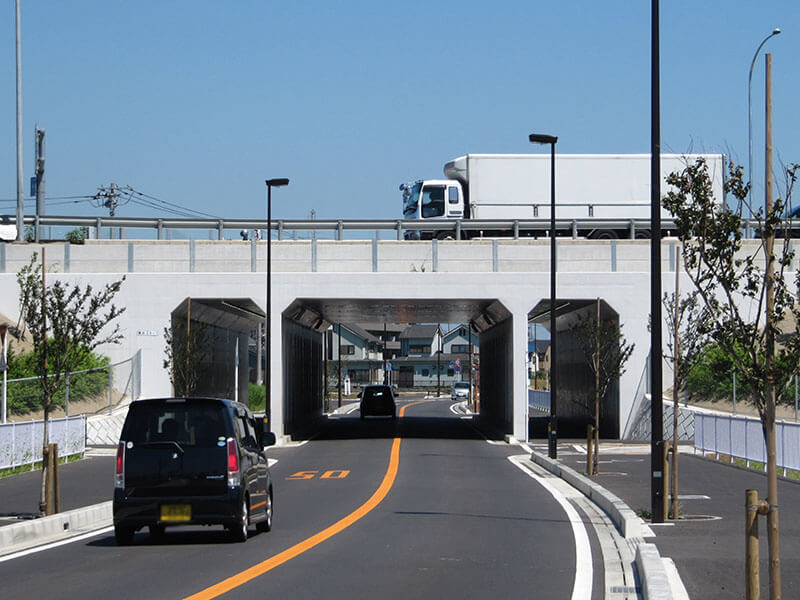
(496,377)
(575,381)
(302,378)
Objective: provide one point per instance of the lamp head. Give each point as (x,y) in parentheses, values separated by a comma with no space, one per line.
(776,31)
(542,138)
(277,182)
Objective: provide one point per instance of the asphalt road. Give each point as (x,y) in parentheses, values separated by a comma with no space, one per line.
(708,542)
(458,520)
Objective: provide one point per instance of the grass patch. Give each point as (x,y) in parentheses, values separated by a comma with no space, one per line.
(37,466)
(759,466)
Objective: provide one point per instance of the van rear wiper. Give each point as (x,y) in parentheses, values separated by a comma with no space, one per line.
(164,443)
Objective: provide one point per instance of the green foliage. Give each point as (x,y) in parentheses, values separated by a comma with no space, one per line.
(731,283)
(77,236)
(257,395)
(711,377)
(65,322)
(26,396)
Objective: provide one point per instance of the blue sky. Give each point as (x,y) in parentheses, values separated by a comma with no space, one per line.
(196,103)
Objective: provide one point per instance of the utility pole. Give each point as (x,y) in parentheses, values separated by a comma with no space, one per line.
(39,176)
(769,351)
(657,405)
(20,192)
(107,196)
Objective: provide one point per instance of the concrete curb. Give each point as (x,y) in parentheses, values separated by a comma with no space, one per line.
(627,522)
(649,564)
(22,536)
(655,583)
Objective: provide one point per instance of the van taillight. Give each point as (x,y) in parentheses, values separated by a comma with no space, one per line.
(233,464)
(119,473)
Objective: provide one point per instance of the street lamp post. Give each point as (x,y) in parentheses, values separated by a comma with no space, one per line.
(271,183)
(552,434)
(775,32)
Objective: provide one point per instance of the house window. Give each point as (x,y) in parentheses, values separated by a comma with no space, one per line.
(459,348)
(347,349)
(425,372)
(419,349)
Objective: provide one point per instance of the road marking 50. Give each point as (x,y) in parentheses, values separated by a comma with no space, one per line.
(335,474)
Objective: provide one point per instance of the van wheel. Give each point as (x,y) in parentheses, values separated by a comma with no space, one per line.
(123,535)
(156,532)
(266,525)
(239,530)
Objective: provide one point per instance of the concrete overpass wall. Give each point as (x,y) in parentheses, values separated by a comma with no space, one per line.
(515,273)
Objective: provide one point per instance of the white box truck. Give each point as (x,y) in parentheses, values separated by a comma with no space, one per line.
(599,193)
(8,232)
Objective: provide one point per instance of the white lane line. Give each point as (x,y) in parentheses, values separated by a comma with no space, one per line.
(582,586)
(77,538)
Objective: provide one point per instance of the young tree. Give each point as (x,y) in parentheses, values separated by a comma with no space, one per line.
(687,326)
(730,282)
(66,322)
(606,353)
(187,347)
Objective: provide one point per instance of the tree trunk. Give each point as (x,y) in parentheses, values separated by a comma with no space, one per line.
(772,499)
(43,504)
(596,468)
(675,384)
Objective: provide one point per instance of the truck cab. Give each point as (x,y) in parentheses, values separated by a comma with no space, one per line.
(432,199)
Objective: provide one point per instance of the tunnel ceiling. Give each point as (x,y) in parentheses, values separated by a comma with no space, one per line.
(317,312)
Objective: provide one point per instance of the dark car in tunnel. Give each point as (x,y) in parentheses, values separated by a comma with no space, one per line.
(378,400)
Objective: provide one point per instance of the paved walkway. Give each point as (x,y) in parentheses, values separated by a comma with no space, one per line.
(707,543)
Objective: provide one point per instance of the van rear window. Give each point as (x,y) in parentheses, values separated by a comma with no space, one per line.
(200,424)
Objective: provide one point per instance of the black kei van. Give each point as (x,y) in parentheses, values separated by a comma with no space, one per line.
(191,461)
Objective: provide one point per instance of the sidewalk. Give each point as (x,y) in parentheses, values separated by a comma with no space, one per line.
(707,543)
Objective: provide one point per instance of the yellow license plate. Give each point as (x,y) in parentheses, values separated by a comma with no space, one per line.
(176,512)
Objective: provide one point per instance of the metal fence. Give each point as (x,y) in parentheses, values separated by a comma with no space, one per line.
(21,443)
(538,401)
(113,384)
(742,437)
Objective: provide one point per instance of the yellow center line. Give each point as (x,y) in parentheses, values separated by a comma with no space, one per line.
(239,579)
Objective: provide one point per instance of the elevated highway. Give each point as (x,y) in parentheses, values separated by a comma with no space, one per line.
(498,285)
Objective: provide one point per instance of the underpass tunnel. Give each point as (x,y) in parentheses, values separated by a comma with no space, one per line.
(210,344)
(575,379)
(302,345)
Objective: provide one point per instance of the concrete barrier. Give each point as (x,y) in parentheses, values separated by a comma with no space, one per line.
(27,534)
(653,575)
(649,563)
(626,521)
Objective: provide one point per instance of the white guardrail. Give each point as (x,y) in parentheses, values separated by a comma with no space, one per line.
(21,443)
(742,437)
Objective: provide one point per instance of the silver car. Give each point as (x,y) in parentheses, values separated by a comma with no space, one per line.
(460,390)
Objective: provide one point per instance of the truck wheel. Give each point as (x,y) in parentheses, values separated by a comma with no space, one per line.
(605,234)
(445,235)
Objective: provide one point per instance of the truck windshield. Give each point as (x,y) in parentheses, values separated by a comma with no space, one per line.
(411,201)
(433,201)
